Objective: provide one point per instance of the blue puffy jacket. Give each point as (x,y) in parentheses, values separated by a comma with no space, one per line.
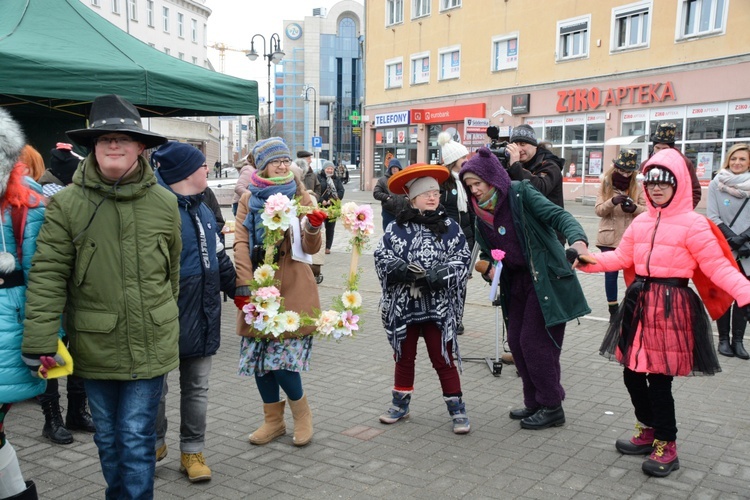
(204,274)
(16,382)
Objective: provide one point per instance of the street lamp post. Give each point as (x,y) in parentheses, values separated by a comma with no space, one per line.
(306,89)
(275,55)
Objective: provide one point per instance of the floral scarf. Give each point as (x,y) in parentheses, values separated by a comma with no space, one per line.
(737,185)
(260,189)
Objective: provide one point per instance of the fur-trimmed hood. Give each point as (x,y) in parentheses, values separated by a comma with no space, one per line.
(12,141)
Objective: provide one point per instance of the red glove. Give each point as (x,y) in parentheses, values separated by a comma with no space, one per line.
(316,218)
(240,301)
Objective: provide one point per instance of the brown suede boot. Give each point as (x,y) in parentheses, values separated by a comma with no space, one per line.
(273,425)
(303,423)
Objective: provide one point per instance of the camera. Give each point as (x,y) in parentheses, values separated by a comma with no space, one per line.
(496,146)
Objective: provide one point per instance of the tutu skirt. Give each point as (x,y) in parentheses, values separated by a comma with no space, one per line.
(661,327)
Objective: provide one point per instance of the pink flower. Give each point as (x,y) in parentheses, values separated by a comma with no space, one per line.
(267,292)
(349,320)
(497,254)
(276,203)
(363,218)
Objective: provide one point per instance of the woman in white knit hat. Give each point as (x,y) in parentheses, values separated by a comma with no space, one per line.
(452,194)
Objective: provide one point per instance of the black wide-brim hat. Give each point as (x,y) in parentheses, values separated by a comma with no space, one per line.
(112,113)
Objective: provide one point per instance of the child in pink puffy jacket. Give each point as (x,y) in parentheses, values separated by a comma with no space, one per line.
(661,329)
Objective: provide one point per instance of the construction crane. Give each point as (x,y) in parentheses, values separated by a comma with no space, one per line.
(222,47)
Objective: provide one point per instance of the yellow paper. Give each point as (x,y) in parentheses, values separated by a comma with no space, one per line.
(67,368)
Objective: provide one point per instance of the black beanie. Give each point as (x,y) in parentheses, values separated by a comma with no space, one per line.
(177,160)
(63,162)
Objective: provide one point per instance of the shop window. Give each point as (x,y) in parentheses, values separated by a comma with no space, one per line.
(394,74)
(505,52)
(450,63)
(394,12)
(631,26)
(706,156)
(655,123)
(711,127)
(595,132)
(574,134)
(420,8)
(701,17)
(553,134)
(738,127)
(449,4)
(573,38)
(634,128)
(420,68)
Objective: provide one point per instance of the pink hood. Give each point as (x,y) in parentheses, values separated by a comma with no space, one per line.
(682,201)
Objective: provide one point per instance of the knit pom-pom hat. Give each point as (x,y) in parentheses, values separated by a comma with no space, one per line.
(451,151)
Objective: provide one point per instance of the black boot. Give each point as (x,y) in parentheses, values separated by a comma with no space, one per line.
(737,347)
(54,430)
(78,417)
(544,417)
(724,348)
(28,494)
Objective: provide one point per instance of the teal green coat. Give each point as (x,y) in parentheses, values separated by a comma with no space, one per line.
(109,259)
(536,219)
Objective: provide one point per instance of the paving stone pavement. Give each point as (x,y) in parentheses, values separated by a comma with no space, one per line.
(353,456)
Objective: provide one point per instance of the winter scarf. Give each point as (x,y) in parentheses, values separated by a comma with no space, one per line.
(737,185)
(462,201)
(261,189)
(434,220)
(621,182)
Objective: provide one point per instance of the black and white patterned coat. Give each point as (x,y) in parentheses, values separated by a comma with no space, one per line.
(413,243)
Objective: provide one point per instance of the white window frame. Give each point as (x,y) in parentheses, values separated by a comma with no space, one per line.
(420,8)
(682,12)
(168,51)
(394,12)
(194,30)
(584,41)
(195,60)
(626,14)
(416,64)
(496,41)
(181,25)
(441,59)
(181,56)
(392,65)
(95,3)
(150,13)
(165,19)
(116,7)
(449,4)
(132,10)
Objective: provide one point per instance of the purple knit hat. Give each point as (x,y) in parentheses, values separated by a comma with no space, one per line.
(487,167)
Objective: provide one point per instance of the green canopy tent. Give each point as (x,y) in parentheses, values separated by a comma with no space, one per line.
(56,56)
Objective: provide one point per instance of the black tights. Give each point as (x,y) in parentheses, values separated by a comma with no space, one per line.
(651,395)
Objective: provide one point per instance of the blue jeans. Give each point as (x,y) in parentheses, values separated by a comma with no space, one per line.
(194,374)
(124,414)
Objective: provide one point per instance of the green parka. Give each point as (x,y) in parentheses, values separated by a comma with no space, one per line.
(109,259)
(535,218)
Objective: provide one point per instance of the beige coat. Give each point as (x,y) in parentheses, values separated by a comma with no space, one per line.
(614,221)
(297,284)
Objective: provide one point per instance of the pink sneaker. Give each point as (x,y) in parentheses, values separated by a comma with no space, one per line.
(663,459)
(642,443)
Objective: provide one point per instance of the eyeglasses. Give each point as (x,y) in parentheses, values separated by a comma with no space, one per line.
(277,162)
(661,185)
(430,194)
(119,140)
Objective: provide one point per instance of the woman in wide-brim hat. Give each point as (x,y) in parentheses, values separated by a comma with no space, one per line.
(422,262)
(619,201)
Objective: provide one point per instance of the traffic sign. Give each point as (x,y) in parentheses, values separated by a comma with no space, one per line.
(317,142)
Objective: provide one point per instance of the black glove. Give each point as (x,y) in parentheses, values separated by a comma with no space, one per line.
(571,254)
(438,277)
(728,233)
(401,274)
(736,242)
(628,206)
(619,199)
(743,251)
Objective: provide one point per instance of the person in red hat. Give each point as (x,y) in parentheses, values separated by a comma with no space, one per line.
(422,262)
